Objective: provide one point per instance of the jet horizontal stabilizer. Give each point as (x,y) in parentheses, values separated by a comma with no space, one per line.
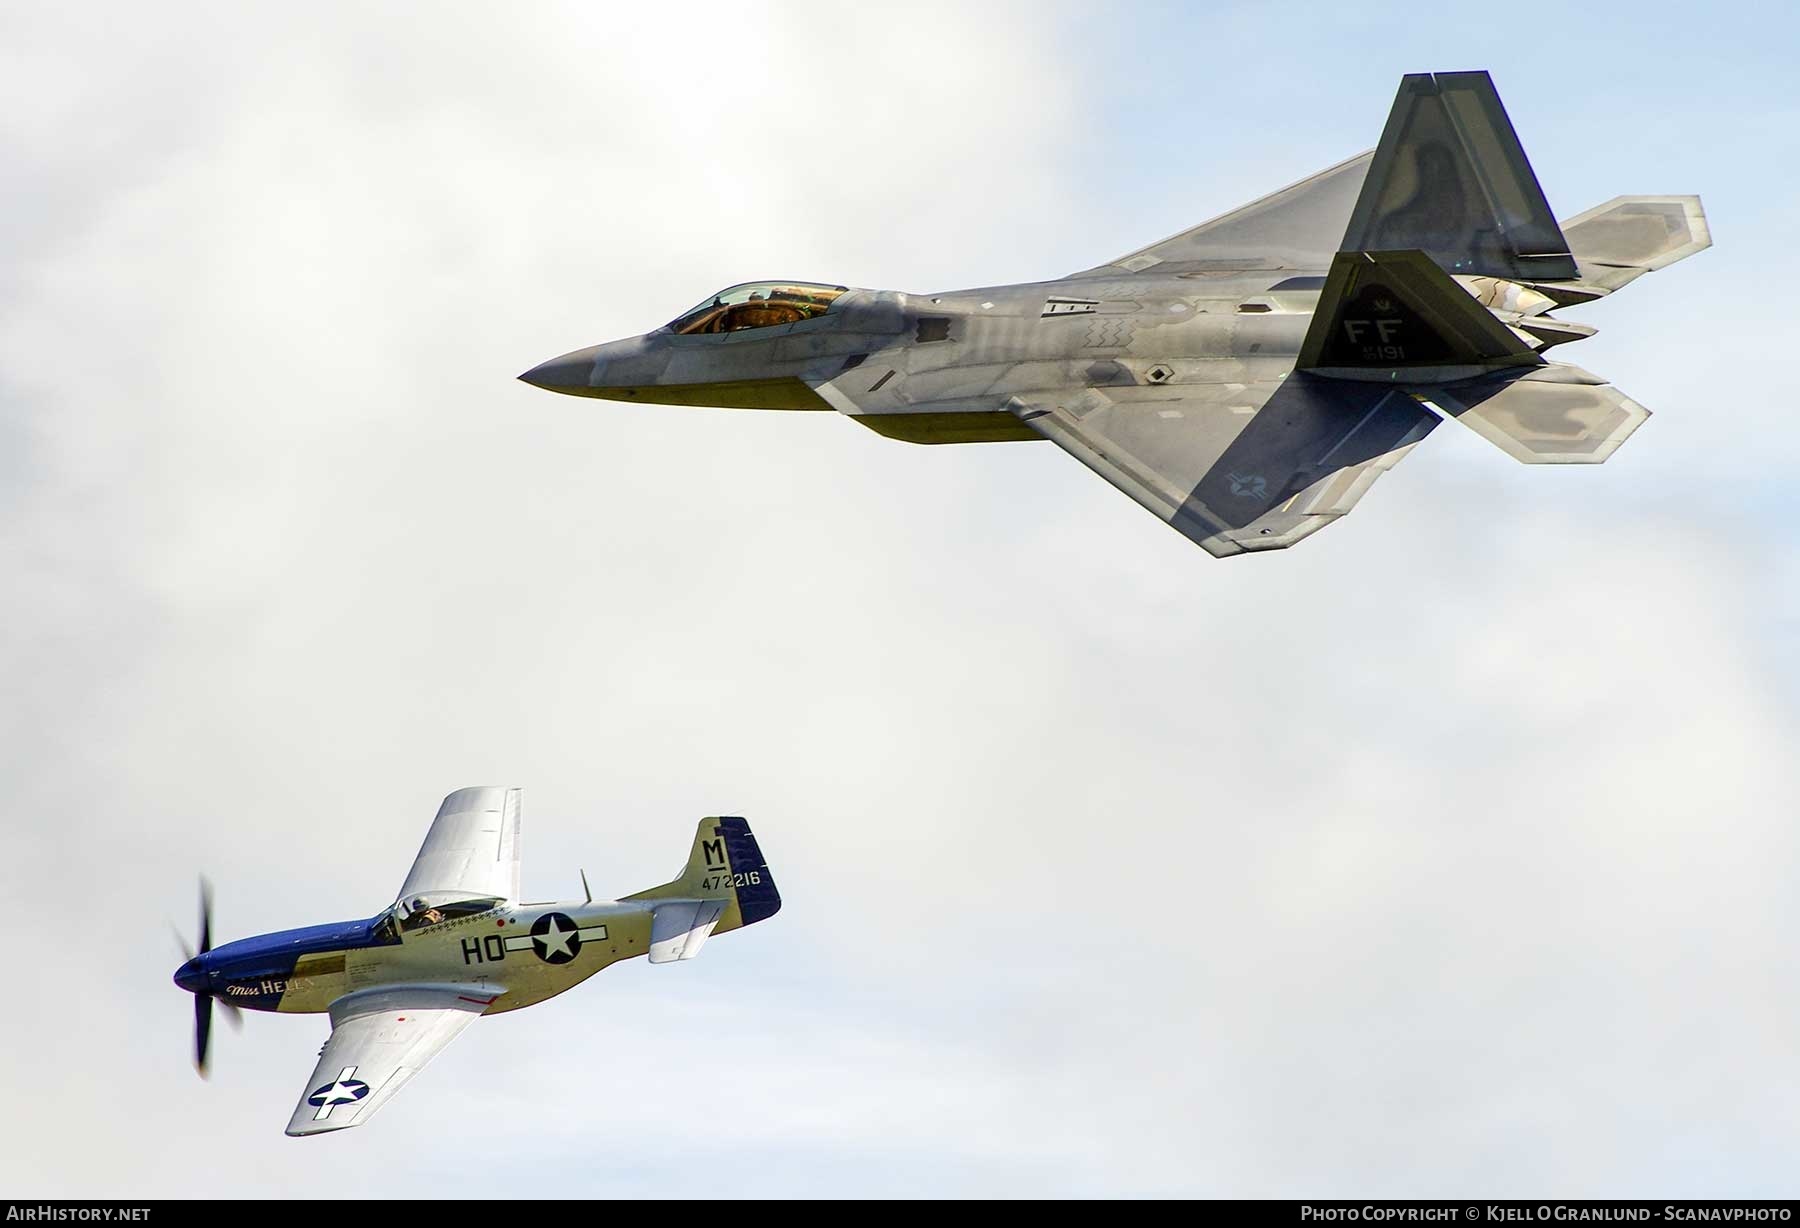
(1554,415)
(1628,236)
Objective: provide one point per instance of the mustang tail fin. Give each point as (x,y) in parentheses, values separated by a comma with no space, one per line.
(726,885)
(1451,180)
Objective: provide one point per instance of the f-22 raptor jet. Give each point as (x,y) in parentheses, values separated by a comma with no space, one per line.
(458,944)
(1246,380)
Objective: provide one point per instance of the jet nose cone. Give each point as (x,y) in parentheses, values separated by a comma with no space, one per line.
(191,976)
(571,372)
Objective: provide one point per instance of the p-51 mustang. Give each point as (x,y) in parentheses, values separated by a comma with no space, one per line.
(1247,380)
(458,944)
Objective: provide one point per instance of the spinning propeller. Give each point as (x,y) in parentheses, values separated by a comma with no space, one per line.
(203,1001)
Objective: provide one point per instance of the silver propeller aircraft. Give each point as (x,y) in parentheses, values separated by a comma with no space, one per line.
(1246,380)
(457,944)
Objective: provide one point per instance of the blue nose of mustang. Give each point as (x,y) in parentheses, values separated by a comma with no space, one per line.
(191,976)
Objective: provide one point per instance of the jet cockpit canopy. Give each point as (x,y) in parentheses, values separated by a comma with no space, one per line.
(758,304)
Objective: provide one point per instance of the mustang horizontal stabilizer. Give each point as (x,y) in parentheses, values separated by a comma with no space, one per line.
(679,928)
(1232,467)
(1629,236)
(380,1038)
(1451,179)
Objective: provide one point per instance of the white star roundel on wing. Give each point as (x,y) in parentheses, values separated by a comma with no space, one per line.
(342,1090)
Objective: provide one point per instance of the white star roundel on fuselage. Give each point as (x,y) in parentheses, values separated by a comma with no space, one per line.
(556,938)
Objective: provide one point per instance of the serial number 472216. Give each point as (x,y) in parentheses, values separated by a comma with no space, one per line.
(714,882)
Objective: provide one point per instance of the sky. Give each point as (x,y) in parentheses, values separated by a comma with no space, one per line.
(1449,854)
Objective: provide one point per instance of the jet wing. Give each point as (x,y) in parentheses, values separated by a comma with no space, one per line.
(1236,467)
(472,848)
(1299,227)
(380,1038)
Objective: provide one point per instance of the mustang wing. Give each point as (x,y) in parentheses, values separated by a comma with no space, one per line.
(1236,467)
(473,847)
(380,1038)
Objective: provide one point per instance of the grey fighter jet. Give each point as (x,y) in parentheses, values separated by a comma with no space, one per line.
(1246,380)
